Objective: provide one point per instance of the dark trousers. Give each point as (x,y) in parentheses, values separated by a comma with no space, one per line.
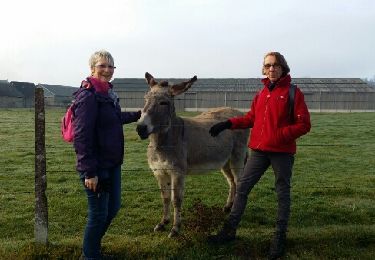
(257,164)
(103,206)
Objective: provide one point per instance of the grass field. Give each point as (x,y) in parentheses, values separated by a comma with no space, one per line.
(333,198)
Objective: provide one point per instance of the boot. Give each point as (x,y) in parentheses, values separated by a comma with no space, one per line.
(277,247)
(225,235)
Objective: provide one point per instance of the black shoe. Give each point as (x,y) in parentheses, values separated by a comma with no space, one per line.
(277,247)
(225,235)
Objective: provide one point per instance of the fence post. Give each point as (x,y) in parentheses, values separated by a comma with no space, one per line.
(41,207)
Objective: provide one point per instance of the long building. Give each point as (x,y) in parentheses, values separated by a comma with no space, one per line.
(321,94)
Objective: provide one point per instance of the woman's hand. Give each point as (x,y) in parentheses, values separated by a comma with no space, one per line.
(92,183)
(219,127)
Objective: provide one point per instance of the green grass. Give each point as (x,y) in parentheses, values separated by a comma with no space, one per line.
(333,205)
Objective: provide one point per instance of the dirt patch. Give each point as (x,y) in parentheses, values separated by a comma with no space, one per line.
(203,219)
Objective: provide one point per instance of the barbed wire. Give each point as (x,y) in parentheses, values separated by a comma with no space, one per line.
(70,148)
(148,170)
(58,122)
(211,172)
(221,98)
(305,187)
(217,102)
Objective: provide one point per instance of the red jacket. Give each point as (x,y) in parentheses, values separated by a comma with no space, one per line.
(272,129)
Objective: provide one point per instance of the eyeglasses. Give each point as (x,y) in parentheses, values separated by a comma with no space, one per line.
(102,66)
(275,65)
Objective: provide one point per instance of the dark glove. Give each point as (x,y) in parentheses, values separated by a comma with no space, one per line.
(219,127)
(139,113)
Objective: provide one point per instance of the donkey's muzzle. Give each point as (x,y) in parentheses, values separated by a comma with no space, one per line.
(142,131)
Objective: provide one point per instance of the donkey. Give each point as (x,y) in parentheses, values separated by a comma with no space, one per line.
(180,146)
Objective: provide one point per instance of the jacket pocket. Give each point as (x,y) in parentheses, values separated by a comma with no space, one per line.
(281,137)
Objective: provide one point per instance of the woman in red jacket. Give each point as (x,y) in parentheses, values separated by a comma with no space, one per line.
(272,143)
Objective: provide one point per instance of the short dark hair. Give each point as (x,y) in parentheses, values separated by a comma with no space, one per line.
(280,60)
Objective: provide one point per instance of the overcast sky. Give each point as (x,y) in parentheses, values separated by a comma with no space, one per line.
(47,41)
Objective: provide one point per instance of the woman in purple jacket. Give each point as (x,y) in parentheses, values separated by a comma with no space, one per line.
(99,146)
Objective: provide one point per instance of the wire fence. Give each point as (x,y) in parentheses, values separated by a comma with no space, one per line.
(64,170)
(21,173)
(54,148)
(199,101)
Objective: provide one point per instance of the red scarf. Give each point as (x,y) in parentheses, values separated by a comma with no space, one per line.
(100,86)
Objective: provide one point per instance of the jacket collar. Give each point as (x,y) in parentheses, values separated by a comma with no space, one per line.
(283,81)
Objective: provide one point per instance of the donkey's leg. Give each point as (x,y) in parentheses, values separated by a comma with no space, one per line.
(232,182)
(178,184)
(164,181)
(233,169)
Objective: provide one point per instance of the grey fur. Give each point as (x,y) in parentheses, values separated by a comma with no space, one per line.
(180,146)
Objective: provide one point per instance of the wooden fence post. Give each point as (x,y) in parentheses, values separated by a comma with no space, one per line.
(41,207)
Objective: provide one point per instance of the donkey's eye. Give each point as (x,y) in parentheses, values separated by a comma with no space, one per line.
(164,103)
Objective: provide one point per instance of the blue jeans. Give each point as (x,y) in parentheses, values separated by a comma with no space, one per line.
(256,165)
(103,206)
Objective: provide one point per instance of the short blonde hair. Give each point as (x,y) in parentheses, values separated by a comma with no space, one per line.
(98,55)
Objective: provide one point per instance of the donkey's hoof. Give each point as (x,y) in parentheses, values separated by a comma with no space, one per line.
(159,227)
(173,233)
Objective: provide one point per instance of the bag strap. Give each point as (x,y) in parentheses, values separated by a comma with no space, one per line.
(85,85)
(292,92)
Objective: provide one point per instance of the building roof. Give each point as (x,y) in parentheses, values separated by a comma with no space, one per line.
(7,91)
(26,88)
(333,85)
(58,90)
(252,84)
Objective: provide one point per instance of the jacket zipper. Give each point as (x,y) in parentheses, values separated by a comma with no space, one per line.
(264,118)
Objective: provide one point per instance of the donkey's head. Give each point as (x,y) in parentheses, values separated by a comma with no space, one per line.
(159,107)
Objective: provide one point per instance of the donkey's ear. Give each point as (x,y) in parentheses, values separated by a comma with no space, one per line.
(150,80)
(164,83)
(177,89)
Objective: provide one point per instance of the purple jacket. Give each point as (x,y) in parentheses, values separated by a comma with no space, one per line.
(98,132)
